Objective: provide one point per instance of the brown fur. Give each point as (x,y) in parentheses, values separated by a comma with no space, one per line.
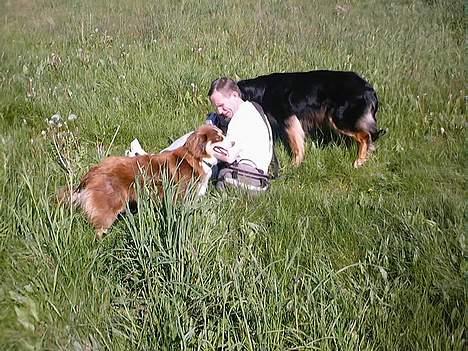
(105,190)
(296,137)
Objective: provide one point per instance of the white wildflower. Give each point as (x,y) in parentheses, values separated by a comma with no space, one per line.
(55,119)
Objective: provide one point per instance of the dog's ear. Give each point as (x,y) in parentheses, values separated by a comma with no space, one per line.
(196,144)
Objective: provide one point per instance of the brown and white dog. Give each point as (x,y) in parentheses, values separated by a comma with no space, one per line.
(108,187)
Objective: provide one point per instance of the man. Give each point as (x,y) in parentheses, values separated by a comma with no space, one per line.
(248,160)
(246,163)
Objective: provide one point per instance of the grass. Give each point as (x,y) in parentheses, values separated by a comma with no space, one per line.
(332,258)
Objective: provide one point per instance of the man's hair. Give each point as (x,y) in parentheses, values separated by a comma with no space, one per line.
(223,85)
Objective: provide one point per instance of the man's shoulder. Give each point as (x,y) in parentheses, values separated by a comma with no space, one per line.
(247,108)
(247,105)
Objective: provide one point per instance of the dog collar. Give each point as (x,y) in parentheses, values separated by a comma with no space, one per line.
(208,164)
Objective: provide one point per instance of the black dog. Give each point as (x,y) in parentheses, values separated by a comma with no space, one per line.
(298,102)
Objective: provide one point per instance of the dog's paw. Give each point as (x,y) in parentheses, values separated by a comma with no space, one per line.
(100,233)
(359,162)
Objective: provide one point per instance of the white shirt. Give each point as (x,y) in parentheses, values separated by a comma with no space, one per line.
(251,136)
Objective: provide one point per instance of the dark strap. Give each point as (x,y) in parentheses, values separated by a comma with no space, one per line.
(257,175)
(274,162)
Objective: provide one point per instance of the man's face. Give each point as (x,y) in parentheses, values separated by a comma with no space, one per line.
(225,103)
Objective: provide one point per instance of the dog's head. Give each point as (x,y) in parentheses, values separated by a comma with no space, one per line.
(206,142)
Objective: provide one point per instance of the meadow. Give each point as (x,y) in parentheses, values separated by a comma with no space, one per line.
(331,258)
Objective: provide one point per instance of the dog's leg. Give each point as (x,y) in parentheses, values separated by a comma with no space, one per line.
(101,210)
(364,141)
(100,233)
(202,189)
(203,186)
(296,138)
(203,182)
(103,221)
(366,124)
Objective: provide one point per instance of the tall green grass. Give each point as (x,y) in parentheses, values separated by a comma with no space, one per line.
(330,258)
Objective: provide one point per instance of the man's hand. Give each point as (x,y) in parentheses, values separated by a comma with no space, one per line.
(227,151)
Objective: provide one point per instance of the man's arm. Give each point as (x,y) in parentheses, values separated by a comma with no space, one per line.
(218,121)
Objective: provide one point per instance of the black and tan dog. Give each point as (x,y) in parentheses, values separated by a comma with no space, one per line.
(298,102)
